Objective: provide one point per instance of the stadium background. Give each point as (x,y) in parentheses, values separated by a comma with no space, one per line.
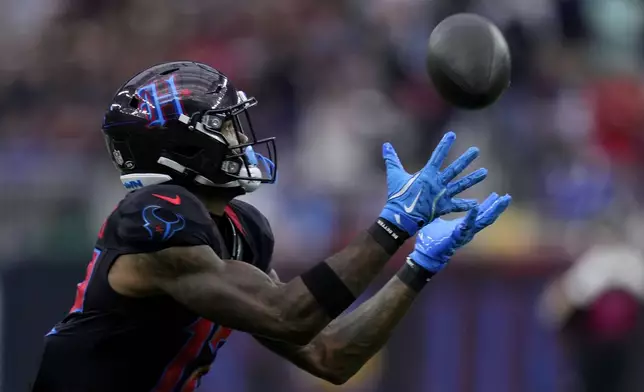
(334,80)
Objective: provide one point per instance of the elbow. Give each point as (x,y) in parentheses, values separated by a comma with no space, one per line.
(327,365)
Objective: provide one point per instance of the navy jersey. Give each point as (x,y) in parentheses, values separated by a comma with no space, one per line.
(109,342)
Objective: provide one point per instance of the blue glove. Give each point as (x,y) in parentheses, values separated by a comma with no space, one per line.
(415,200)
(438,241)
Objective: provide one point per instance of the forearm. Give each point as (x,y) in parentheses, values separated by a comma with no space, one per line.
(351,340)
(348,342)
(244,298)
(356,266)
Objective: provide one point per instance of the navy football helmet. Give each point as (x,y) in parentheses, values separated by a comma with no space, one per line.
(185,123)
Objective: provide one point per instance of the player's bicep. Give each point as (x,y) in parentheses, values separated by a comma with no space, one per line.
(230,293)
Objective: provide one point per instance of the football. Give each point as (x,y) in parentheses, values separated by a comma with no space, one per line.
(468,61)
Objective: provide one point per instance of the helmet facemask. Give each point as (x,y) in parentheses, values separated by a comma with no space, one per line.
(248,162)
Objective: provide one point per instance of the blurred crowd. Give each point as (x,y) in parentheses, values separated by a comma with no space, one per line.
(334,79)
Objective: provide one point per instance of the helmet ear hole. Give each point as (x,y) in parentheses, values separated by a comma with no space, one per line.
(134,103)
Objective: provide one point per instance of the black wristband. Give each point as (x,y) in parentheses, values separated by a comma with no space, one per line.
(413,275)
(328,289)
(390,237)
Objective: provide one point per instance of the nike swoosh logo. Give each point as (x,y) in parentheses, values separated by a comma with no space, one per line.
(172,200)
(410,208)
(406,187)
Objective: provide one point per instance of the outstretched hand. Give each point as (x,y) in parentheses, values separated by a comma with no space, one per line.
(437,242)
(415,200)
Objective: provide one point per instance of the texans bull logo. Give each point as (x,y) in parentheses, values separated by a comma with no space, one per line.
(160,226)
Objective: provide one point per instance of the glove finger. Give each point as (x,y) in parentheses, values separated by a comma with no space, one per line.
(466,182)
(489,216)
(441,151)
(462,205)
(392,162)
(467,226)
(470,220)
(456,167)
(489,202)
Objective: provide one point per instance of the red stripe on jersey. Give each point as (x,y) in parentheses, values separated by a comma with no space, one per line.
(218,340)
(101,232)
(221,335)
(201,331)
(81,288)
(233,217)
(193,381)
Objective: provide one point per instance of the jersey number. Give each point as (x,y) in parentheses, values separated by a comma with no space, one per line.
(204,333)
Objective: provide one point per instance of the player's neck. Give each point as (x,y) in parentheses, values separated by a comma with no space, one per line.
(216,206)
(215,199)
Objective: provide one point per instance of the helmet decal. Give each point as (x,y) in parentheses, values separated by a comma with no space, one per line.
(152,101)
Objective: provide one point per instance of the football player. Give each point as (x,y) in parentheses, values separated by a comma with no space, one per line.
(180,263)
